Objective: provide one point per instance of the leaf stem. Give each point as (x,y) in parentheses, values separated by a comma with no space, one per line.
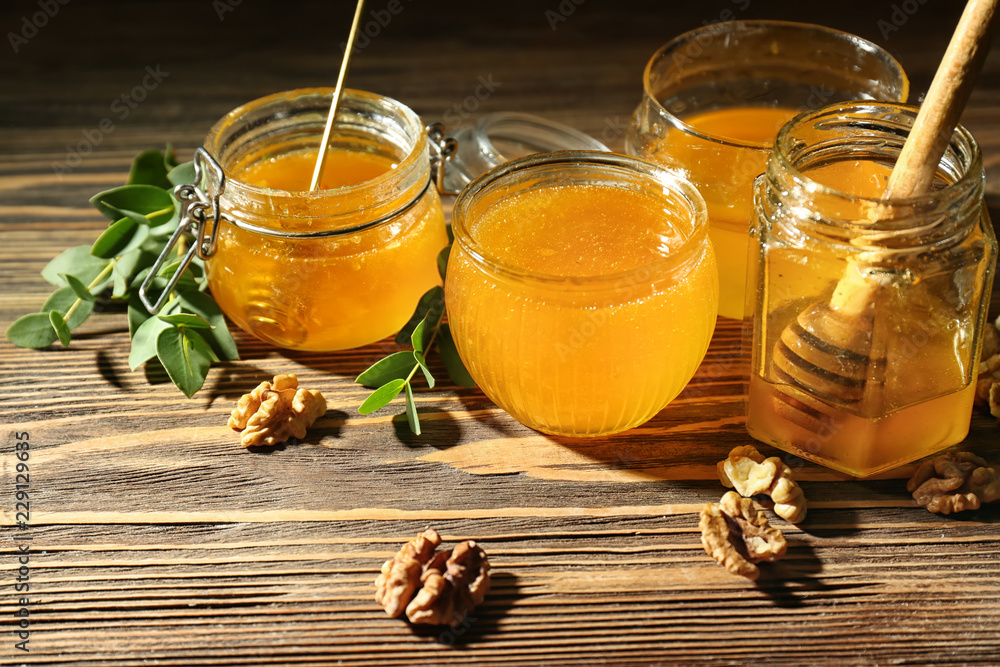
(93,283)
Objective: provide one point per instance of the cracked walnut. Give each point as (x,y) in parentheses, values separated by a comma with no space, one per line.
(433,588)
(955,482)
(738,535)
(751,474)
(276,411)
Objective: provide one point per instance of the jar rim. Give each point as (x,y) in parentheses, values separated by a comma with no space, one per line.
(756,24)
(670,179)
(408,117)
(780,153)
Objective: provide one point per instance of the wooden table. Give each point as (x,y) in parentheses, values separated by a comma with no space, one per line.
(156,539)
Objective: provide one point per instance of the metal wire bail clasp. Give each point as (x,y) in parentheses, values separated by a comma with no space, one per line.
(442,149)
(196,209)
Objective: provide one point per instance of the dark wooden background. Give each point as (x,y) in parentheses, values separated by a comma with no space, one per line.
(155,539)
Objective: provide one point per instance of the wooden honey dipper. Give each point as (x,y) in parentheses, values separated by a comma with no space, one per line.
(826,350)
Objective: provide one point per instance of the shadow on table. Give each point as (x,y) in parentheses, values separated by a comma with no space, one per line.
(327,426)
(438,428)
(484,620)
(792,581)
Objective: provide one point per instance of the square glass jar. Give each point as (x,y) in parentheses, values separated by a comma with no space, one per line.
(868,312)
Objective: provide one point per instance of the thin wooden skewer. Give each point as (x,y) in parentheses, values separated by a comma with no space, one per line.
(321,157)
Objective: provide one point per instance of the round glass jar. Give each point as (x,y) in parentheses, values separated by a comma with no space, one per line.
(582,290)
(715,97)
(868,313)
(333,268)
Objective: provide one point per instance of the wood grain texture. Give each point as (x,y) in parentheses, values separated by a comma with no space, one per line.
(156,539)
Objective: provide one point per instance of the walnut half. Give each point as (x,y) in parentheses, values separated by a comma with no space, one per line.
(955,482)
(276,411)
(433,588)
(751,474)
(738,535)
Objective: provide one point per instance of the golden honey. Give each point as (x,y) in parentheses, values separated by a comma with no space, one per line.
(728,172)
(582,291)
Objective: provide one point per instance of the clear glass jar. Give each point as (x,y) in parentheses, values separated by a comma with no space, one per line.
(333,268)
(715,97)
(582,289)
(868,312)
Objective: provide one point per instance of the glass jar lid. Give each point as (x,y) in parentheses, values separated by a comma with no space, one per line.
(499,137)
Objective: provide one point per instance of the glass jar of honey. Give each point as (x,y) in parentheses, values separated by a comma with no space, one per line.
(334,268)
(582,289)
(868,311)
(715,97)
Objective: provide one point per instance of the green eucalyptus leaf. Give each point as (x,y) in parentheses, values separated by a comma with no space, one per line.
(411,411)
(432,299)
(120,286)
(137,314)
(140,276)
(150,168)
(457,371)
(451,234)
(199,343)
(136,202)
(59,326)
(181,174)
(32,331)
(219,337)
(185,282)
(197,270)
(62,300)
(79,262)
(422,362)
(186,320)
(185,356)
(442,260)
(77,287)
(144,341)
(427,329)
(397,366)
(126,267)
(137,311)
(382,396)
(119,238)
(155,220)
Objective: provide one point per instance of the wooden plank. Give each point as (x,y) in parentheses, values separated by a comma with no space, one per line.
(156,539)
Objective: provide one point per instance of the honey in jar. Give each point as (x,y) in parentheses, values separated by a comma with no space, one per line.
(334,268)
(729,172)
(868,312)
(582,289)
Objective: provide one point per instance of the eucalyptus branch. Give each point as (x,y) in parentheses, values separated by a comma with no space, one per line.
(425,330)
(189,333)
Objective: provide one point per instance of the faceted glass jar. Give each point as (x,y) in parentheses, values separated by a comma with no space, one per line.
(868,313)
(333,268)
(570,315)
(715,98)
